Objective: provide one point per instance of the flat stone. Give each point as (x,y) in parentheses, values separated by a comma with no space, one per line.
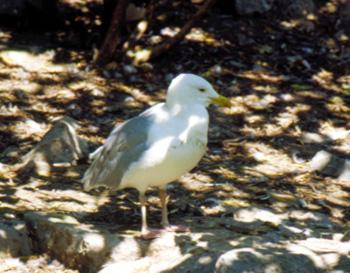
(62,238)
(312,255)
(12,8)
(345,16)
(91,249)
(96,248)
(309,137)
(14,240)
(247,7)
(331,165)
(258,214)
(32,62)
(258,261)
(296,8)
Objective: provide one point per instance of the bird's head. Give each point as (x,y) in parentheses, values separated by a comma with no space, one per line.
(190,89)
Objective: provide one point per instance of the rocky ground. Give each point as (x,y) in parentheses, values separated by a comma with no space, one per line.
(252,203)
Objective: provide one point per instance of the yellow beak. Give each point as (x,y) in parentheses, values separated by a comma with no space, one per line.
(221,101)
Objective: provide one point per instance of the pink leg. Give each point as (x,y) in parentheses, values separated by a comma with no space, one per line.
(146,232)
(165,221)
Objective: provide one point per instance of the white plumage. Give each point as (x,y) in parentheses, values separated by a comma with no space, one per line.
(158,146)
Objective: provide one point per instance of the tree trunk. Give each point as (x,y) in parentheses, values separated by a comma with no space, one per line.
(112,39)
(171,42)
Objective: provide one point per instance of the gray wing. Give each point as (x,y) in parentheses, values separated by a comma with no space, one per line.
(124,146)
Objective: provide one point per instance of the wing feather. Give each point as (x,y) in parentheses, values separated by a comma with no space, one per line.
(125,145)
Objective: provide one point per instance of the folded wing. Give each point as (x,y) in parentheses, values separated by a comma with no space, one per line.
(125,145)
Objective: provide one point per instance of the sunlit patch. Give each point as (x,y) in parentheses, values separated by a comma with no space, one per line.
(269,89)
(25,86)
(138,94)
(155,39)
(257,103)
(170,31)
(205,260)
(337,104)
(344,82)
(237,106)
(262,76)
(272,161)
(291,116)
(28,128)
(44,107)
(327,80)
(291,24)
(225,173)
(32,62)
(329,129)
(5,36)
(9,110)
(62,95)
(255,119)
(330,7)
(237,203)
(199,35)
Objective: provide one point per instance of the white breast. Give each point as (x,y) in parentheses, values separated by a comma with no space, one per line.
(176,146)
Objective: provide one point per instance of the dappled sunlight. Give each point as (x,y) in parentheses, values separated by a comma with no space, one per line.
(31,62)
(288,84)
(5,36)
(263,76)
(269,158)
(201,36)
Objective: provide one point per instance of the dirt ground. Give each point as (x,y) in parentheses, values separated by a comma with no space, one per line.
(288,81)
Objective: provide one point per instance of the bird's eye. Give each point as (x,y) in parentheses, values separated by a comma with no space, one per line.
(202,90)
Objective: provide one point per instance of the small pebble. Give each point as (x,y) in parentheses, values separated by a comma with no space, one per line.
(146,66)
(129,99)
(106,74)
(97,93)
(117,75)
(129,69)
(217,69)
(169,77)
(302,203)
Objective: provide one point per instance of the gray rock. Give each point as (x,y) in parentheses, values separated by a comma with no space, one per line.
(296,8)
(169,77)
(345,16)
(346,236)
(25,8)
(59,147)
(314,220)
(97,93)
(94,248)
(11,152)
(14,240)
(247,7)
(35,263)
(62,238)
(270,260)
(312,255)
(257,214)
(129,69)
(345,173)
(135,13)
(12,8)
(91,249)
(309,137)
(331,165)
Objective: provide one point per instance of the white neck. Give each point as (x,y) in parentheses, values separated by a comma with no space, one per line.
(178,109)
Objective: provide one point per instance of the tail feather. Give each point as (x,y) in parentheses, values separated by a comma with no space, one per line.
(97,173)
(90,175)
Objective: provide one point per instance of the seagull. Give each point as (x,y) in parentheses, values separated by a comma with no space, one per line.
(157,147)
